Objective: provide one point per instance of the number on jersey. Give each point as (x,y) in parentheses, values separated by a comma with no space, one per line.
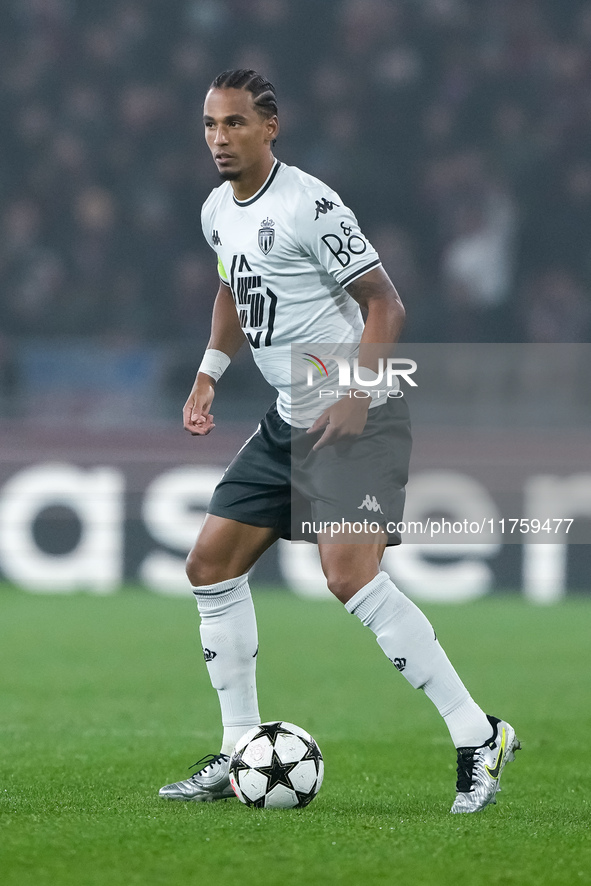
(255,303)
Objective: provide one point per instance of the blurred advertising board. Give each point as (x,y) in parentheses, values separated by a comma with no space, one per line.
(499,496)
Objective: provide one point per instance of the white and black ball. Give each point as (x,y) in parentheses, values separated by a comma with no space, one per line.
(276,766)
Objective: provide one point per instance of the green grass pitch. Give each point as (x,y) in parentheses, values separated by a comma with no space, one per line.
(105,699)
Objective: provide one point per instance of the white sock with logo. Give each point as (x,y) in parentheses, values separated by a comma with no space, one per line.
(409,641)
(230,645)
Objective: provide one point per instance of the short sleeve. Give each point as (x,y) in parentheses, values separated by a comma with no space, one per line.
(210,234)
(327,230)
(222,272)
(206,222)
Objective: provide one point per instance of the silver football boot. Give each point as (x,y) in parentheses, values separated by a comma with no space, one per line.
(211,782)
(480,769)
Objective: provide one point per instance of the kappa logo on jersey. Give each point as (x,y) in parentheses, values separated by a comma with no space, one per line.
(323,206)
(208,655)
(371,503)
(255,303)
(399,663)
(344,247)
(216,239)
(266,235)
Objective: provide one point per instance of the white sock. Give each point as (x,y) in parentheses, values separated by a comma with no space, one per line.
(230,645)
(409,641)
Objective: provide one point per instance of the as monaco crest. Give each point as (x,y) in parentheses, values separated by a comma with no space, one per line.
(266,235)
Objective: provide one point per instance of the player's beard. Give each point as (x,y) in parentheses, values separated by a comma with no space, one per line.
(229,175)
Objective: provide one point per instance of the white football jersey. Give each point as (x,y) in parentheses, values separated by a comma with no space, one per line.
(287,254)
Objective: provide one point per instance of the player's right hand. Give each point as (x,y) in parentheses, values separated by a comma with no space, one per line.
(197,418)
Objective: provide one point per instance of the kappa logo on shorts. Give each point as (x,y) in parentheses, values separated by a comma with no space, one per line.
(399,663)
(208,655)
(371,503)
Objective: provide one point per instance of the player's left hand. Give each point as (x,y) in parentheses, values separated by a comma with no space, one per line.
(344,419)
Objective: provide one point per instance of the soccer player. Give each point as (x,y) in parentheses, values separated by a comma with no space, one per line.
(295,267)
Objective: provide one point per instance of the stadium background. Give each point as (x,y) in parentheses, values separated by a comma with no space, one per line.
(460,132)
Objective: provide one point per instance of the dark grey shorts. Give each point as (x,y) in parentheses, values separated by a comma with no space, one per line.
(277,481)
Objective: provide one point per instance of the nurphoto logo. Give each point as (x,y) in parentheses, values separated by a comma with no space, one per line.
(390,371)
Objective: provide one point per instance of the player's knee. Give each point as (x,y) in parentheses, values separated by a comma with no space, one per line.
(347,571)
(341,583)
(202,569)
(193,568)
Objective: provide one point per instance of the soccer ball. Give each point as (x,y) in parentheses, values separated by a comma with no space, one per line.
(276,766)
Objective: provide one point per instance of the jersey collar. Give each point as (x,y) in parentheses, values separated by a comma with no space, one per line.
(262,189)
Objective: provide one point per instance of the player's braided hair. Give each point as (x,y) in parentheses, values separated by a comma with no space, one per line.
(265,100)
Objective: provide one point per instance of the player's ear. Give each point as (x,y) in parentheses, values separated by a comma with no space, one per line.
(272,128)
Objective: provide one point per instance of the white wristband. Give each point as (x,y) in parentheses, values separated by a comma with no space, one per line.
(214,363)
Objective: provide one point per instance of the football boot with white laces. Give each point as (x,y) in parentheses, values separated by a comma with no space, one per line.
(480,769)
(211,782)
